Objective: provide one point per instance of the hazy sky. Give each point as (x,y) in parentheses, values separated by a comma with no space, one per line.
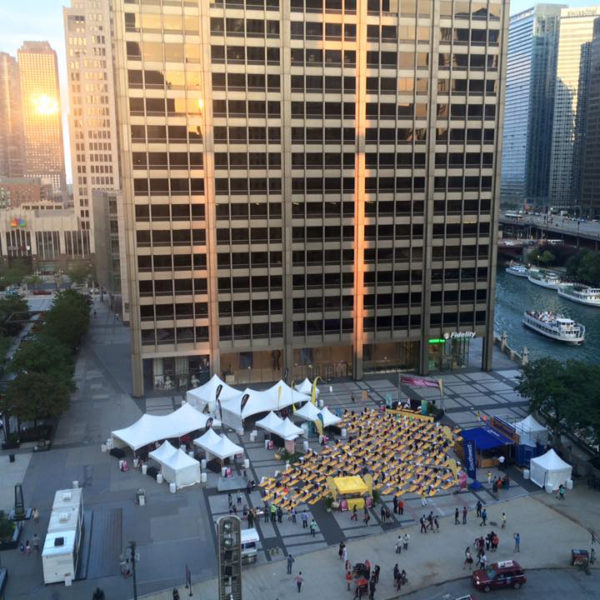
(42,20)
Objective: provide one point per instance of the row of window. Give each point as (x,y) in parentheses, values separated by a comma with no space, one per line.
(166,237)
(162,186)
(186,310)
(239,55)
(232,27)
(388,323)
(245,81)
(460,252)
(255,331)
(247,260)
(393,232)
(320,110)
(168,160)
(165,107)
(389,300)
(239,308)
(175,134)
(169,212)
(254,235)
(466,111)
(455,230)
(180,335)
(323,234)
(247,160)
(172,287)
(176,262)
(248,211)
(241,185)
(322,210)
(322,280)
(301,258)
(248,4)
(243,108)
(169,79)
(257,283)
(323,327)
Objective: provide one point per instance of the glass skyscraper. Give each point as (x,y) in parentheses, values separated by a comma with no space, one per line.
(530,88)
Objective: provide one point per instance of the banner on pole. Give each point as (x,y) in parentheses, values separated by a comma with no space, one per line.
(470,450)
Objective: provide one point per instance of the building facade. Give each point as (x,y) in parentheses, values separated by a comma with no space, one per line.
(92,119)
(17,192)
(590,193)
(310,187)
(528,113)
(570,105)
(42,119)
(11,129)
(109,250)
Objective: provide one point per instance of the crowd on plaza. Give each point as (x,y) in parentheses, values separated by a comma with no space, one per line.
(402,454)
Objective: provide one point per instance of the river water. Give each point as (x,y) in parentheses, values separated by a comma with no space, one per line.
(515,295)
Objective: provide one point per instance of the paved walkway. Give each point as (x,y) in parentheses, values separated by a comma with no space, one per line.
(546,535)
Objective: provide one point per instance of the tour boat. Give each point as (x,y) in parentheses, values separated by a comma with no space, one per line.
(556,327)
(517,270)
(544,279)
(582,294)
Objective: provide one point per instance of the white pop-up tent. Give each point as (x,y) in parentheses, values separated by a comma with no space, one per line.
(176,466)
(305,387)
(550,470)
(282,395)
(270,423)
(309,412)
(531,432)
(288,431)
(218,445)
(152,428)
(206,394)
(329,418)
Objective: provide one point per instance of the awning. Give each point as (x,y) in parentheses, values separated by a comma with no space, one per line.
(486,438)
(350,485)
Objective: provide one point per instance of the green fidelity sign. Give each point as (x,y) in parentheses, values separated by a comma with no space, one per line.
(437,341)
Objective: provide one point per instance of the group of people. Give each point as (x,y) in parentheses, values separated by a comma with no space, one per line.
(402,454)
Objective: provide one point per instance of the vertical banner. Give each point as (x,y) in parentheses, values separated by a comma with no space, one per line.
(470,450)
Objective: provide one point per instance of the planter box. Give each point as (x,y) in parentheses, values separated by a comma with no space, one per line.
(13,544)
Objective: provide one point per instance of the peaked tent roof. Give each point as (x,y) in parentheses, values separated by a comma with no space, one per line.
(529,424)
(163,452)
(309,412)
(210,438)
(151,428)
(207,393)
(221,446)
(551,461)
(173,457)
(329,418)
(270,423)
(305,387)
(288,431)
(286,397)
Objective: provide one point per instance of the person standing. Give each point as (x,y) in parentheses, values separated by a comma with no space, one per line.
(479,506)
(341,550)
(299,581)
(405,541)
(437,524)
(35,542)
(345,554)
(456,516)
(503,518)
(422,523)
(304,520)
(251,518)
(366,518)
(279,514)
(294,515)
(464,515)
(489,478)
(468,559)
(430,520)
(372,587)
(354,516)
(401,506)
(35,515)
(266,511)
(483,517)
(313,527)
(395,502)
(348,579)
(175,594)
(482,561)
(517,537)
(290,561)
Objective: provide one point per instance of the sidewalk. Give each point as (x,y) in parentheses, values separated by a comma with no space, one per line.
(546,541)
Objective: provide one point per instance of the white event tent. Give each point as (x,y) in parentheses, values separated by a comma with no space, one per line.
(282,395)
(218,445)
(329,418)
(550,470)
(531,432)
(284,428)
(305,387)
(176,466)
(206,394)
(152,428)
(309,412)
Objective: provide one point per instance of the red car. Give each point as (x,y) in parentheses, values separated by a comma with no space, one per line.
(500,575)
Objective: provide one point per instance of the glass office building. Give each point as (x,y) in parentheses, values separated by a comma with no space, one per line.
(309,185)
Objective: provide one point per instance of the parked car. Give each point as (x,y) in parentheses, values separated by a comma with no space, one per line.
(500,575)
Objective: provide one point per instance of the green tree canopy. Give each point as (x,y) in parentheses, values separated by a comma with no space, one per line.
(68,319)
(14,272)
(44,354)
(35,396)
(585,266)
(79,272)
(11,304)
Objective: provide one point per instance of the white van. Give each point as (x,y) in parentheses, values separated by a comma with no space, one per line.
(249,539)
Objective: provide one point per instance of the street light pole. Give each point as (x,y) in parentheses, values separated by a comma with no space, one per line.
(132,550)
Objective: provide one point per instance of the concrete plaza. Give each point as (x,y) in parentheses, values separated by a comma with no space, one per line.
(173,530)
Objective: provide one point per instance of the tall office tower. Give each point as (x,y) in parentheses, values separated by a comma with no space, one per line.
(310,185)
(11,128)
(590,193)
(570,104)
(92,120)
(529,106)
(42,119)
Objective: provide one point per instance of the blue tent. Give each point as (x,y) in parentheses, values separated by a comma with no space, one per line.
(486,438)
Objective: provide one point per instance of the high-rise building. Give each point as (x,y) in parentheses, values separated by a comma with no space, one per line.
(590,192)
(529,106)
(11,128)
(570,105)
(92,119)
(309,185)
(42,119)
